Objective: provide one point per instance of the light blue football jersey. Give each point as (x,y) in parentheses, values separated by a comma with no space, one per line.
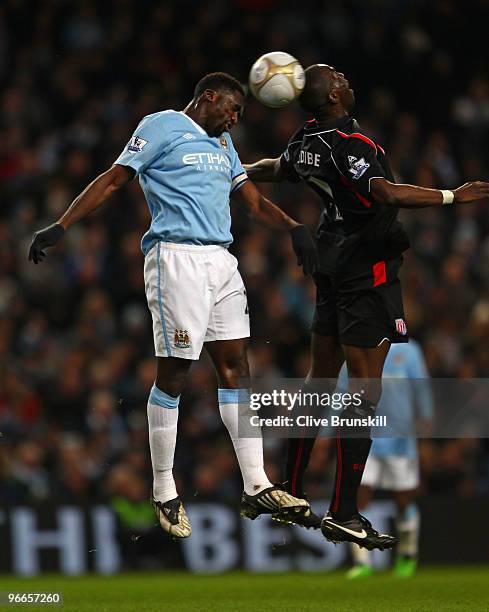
(401,403)
(187,177)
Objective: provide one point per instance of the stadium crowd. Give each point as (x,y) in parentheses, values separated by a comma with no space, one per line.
(76,349)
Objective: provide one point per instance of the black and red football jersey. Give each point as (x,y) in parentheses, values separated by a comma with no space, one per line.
(338,162)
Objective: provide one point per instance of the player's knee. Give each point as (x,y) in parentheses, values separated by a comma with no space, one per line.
(172,385)
(357,364)
(171,374)
(363,379)
(173,388)
(234,371)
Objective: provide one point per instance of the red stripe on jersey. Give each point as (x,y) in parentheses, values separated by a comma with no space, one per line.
(380,275)
(381,149)
(360,136)
(347,184)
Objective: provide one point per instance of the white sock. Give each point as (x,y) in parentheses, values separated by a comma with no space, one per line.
(407,525)
(162,423)
(361,556)
(249,451)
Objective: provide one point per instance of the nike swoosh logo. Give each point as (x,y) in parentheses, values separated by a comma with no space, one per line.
(357,534)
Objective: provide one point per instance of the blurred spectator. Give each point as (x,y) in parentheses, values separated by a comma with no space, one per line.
(28,480)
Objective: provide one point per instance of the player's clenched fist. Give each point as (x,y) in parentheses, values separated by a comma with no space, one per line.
(44,238)
(469,192)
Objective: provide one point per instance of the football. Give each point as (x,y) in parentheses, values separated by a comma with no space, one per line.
(276,79)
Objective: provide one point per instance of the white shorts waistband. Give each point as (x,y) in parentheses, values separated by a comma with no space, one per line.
(191,248)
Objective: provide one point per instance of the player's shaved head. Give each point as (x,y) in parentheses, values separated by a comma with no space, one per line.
(326,91)
(317,87)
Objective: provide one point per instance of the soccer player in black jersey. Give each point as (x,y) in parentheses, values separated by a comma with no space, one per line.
(359,310)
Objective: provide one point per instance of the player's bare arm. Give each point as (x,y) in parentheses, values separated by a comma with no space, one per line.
(262,209)
(412,196)
(265,171)
(267,213)
(96,193)
(93,196)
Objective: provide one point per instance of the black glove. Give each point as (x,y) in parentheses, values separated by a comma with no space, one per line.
(305,249)
(44,238)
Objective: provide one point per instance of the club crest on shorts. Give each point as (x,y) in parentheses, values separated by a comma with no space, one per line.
(401,327)
(181,339)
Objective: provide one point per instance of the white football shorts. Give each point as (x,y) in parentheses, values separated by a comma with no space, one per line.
(195,294)
(391,473)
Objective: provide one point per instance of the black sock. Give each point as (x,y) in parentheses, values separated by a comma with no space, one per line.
(299,449)
(352,449)
(298,454)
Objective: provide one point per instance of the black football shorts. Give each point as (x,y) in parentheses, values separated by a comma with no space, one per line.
(361,304)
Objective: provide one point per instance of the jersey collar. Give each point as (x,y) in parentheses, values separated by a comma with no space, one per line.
(330,124)
(195,124)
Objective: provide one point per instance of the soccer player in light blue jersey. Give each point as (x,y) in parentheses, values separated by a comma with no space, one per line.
(188,170)
(393,463)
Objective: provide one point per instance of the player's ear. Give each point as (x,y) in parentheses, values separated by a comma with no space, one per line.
(333,96)
(210,95)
